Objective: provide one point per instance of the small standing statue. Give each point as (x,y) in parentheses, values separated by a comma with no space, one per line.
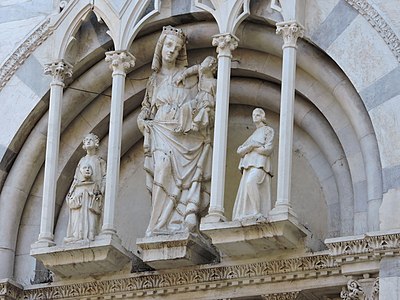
(253,198)
(85,196)
(207,86)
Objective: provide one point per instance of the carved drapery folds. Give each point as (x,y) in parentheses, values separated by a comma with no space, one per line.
(290,32)
(363,289)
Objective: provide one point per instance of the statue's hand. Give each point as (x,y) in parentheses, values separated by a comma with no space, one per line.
(142,122)
(180,79)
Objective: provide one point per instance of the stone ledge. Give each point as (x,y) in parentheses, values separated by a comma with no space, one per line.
(103,255)
(175,251)
(254,236)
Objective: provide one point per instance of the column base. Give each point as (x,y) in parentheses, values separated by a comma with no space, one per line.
(103,255)
(213,217)
(176,251)
(255,236)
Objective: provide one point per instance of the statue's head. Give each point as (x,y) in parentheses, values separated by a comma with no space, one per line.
(209,63)
(259,114)
(86,171)
(91,140)
(174,38)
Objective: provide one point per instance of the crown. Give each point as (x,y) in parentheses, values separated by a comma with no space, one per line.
(175,31)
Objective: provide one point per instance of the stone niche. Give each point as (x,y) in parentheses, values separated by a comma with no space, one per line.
(177,250)
(255,236)
(103,255)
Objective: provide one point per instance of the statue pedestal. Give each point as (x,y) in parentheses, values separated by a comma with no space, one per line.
(103,255)
(177,250)
(255,236)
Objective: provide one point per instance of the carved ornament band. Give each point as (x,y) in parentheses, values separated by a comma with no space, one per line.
(290,32)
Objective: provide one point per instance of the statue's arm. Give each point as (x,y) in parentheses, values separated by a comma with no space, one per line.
(146,111)
(268,146)
(193,70)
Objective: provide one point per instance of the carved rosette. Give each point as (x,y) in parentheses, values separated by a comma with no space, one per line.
(225,44)
(360,290)
(120,61)
(290,32)
(281,296)
(59,70)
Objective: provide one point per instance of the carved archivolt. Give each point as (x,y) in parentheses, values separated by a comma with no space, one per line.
(19,56)
(378,23)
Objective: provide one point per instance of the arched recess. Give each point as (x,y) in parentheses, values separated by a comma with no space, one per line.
(320,131)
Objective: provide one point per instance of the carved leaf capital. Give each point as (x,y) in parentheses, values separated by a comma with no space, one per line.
(225,44)
(120,61)
(59,70)
(290,32)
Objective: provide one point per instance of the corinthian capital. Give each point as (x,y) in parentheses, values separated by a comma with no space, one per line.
(290,32)
(120,61)
(361,289)
(225,43)
(59,70)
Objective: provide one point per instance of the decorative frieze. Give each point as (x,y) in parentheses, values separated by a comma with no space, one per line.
(281,296)
(194,280)
(11,65)
(378,23)
(10,291)
(368,244)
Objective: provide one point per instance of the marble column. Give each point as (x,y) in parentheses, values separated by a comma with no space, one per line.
(225,43)
(59,70)
(290,32)
(120,62)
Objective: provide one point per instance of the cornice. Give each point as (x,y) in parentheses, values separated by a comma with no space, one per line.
(364,247)
(373,17)
(20,55)
(208,278)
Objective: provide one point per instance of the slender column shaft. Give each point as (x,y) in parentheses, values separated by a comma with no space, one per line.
(59,70)
(290,31)
(225,44)
(120,62)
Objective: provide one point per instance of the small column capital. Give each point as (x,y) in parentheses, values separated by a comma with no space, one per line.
(59,70)
(290,32)
(120,61)
(225,43)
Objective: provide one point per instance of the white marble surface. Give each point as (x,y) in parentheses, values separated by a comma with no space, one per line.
(386,121)
(358,49)
(316,13)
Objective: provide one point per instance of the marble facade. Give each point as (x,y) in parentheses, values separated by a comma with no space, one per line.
(333,232)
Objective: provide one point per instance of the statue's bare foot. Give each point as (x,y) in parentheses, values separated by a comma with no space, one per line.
(191,221)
